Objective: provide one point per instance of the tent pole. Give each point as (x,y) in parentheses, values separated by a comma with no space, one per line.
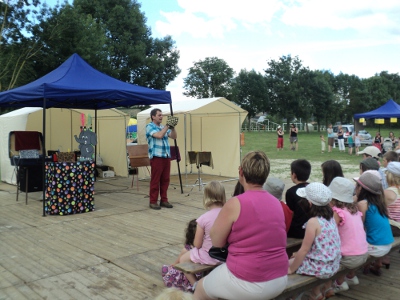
(95,146)
(176,151)
(44,158)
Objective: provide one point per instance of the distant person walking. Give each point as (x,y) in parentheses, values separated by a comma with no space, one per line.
(340,137)
(280,133)
(322,143)
(293,137)
(350,143)
(357,141)
(331,137)
(393,139)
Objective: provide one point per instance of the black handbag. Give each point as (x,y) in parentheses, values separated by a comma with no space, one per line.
(219,253)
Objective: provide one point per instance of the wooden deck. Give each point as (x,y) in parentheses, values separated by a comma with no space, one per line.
(115,252)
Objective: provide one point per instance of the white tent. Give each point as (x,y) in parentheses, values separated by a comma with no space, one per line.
(212,124)
(61,126)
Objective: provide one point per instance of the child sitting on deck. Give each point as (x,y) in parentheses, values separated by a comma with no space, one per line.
(319,254)
(354,246)
(275,187)
(175,278)
(300,171)
(213,199)
(371,202)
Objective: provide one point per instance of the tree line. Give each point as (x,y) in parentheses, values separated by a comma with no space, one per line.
(112,36)
(287,90)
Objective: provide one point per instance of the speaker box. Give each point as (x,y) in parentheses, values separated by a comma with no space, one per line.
(35,179)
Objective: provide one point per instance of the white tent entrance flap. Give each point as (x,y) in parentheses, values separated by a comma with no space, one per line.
(211,125)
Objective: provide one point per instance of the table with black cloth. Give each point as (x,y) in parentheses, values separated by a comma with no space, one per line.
(69,187)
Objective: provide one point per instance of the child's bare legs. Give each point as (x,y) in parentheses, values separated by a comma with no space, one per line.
(349,275)
(340,279)
(350,150)
(317,293)
(186,258)
(357,150)
(184,250)
(327,289)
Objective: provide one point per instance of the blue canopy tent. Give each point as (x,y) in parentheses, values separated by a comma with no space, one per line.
(389,110)
(76,84)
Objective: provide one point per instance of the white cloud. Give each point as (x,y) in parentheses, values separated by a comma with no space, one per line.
(349,36)
(216,17)
(344,14)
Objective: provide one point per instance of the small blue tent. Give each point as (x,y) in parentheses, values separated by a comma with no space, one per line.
(389,110)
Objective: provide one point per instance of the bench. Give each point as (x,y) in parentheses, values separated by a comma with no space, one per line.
(194,268)
(292,245)
(300,283)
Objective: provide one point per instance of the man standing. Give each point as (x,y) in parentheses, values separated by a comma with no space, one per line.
(160,158)
(331,137)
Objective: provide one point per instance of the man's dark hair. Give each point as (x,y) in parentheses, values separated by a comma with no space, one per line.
(154,112)
(302,169)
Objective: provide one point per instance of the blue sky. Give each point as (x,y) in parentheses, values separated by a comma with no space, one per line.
(360,37)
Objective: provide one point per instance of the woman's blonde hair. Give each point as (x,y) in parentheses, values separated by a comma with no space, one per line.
(214,193)
(255,166)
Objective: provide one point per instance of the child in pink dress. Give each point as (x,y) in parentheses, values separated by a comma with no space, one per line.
(213,199)
(174,278)
(353,239)
(319,254)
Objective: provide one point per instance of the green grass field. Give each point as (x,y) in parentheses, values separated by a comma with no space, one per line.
(309,148)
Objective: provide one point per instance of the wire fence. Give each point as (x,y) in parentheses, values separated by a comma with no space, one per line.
(269,126)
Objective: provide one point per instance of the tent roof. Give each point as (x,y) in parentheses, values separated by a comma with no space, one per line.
(75,84)
(389,110)
(195,104)
(19,112)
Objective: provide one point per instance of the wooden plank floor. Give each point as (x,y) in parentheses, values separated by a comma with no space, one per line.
(115,252)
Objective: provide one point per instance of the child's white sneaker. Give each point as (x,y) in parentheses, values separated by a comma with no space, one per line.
(340,287)
(352,281)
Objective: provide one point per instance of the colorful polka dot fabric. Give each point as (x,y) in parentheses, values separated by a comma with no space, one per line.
(69,187)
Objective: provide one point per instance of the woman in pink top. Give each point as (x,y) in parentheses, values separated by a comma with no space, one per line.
(354,246)
(213,200)
(253,224)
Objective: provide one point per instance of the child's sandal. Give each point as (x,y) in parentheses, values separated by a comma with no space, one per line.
(329,293)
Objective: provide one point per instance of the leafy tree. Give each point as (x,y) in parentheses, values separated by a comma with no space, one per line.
(392,81)
(17,47)
(250,92)
(343,89)
(134,56)
(64,32)
(285,91)
(319,92)
(359,97)
(378,92)
(211,77)
(381,88)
